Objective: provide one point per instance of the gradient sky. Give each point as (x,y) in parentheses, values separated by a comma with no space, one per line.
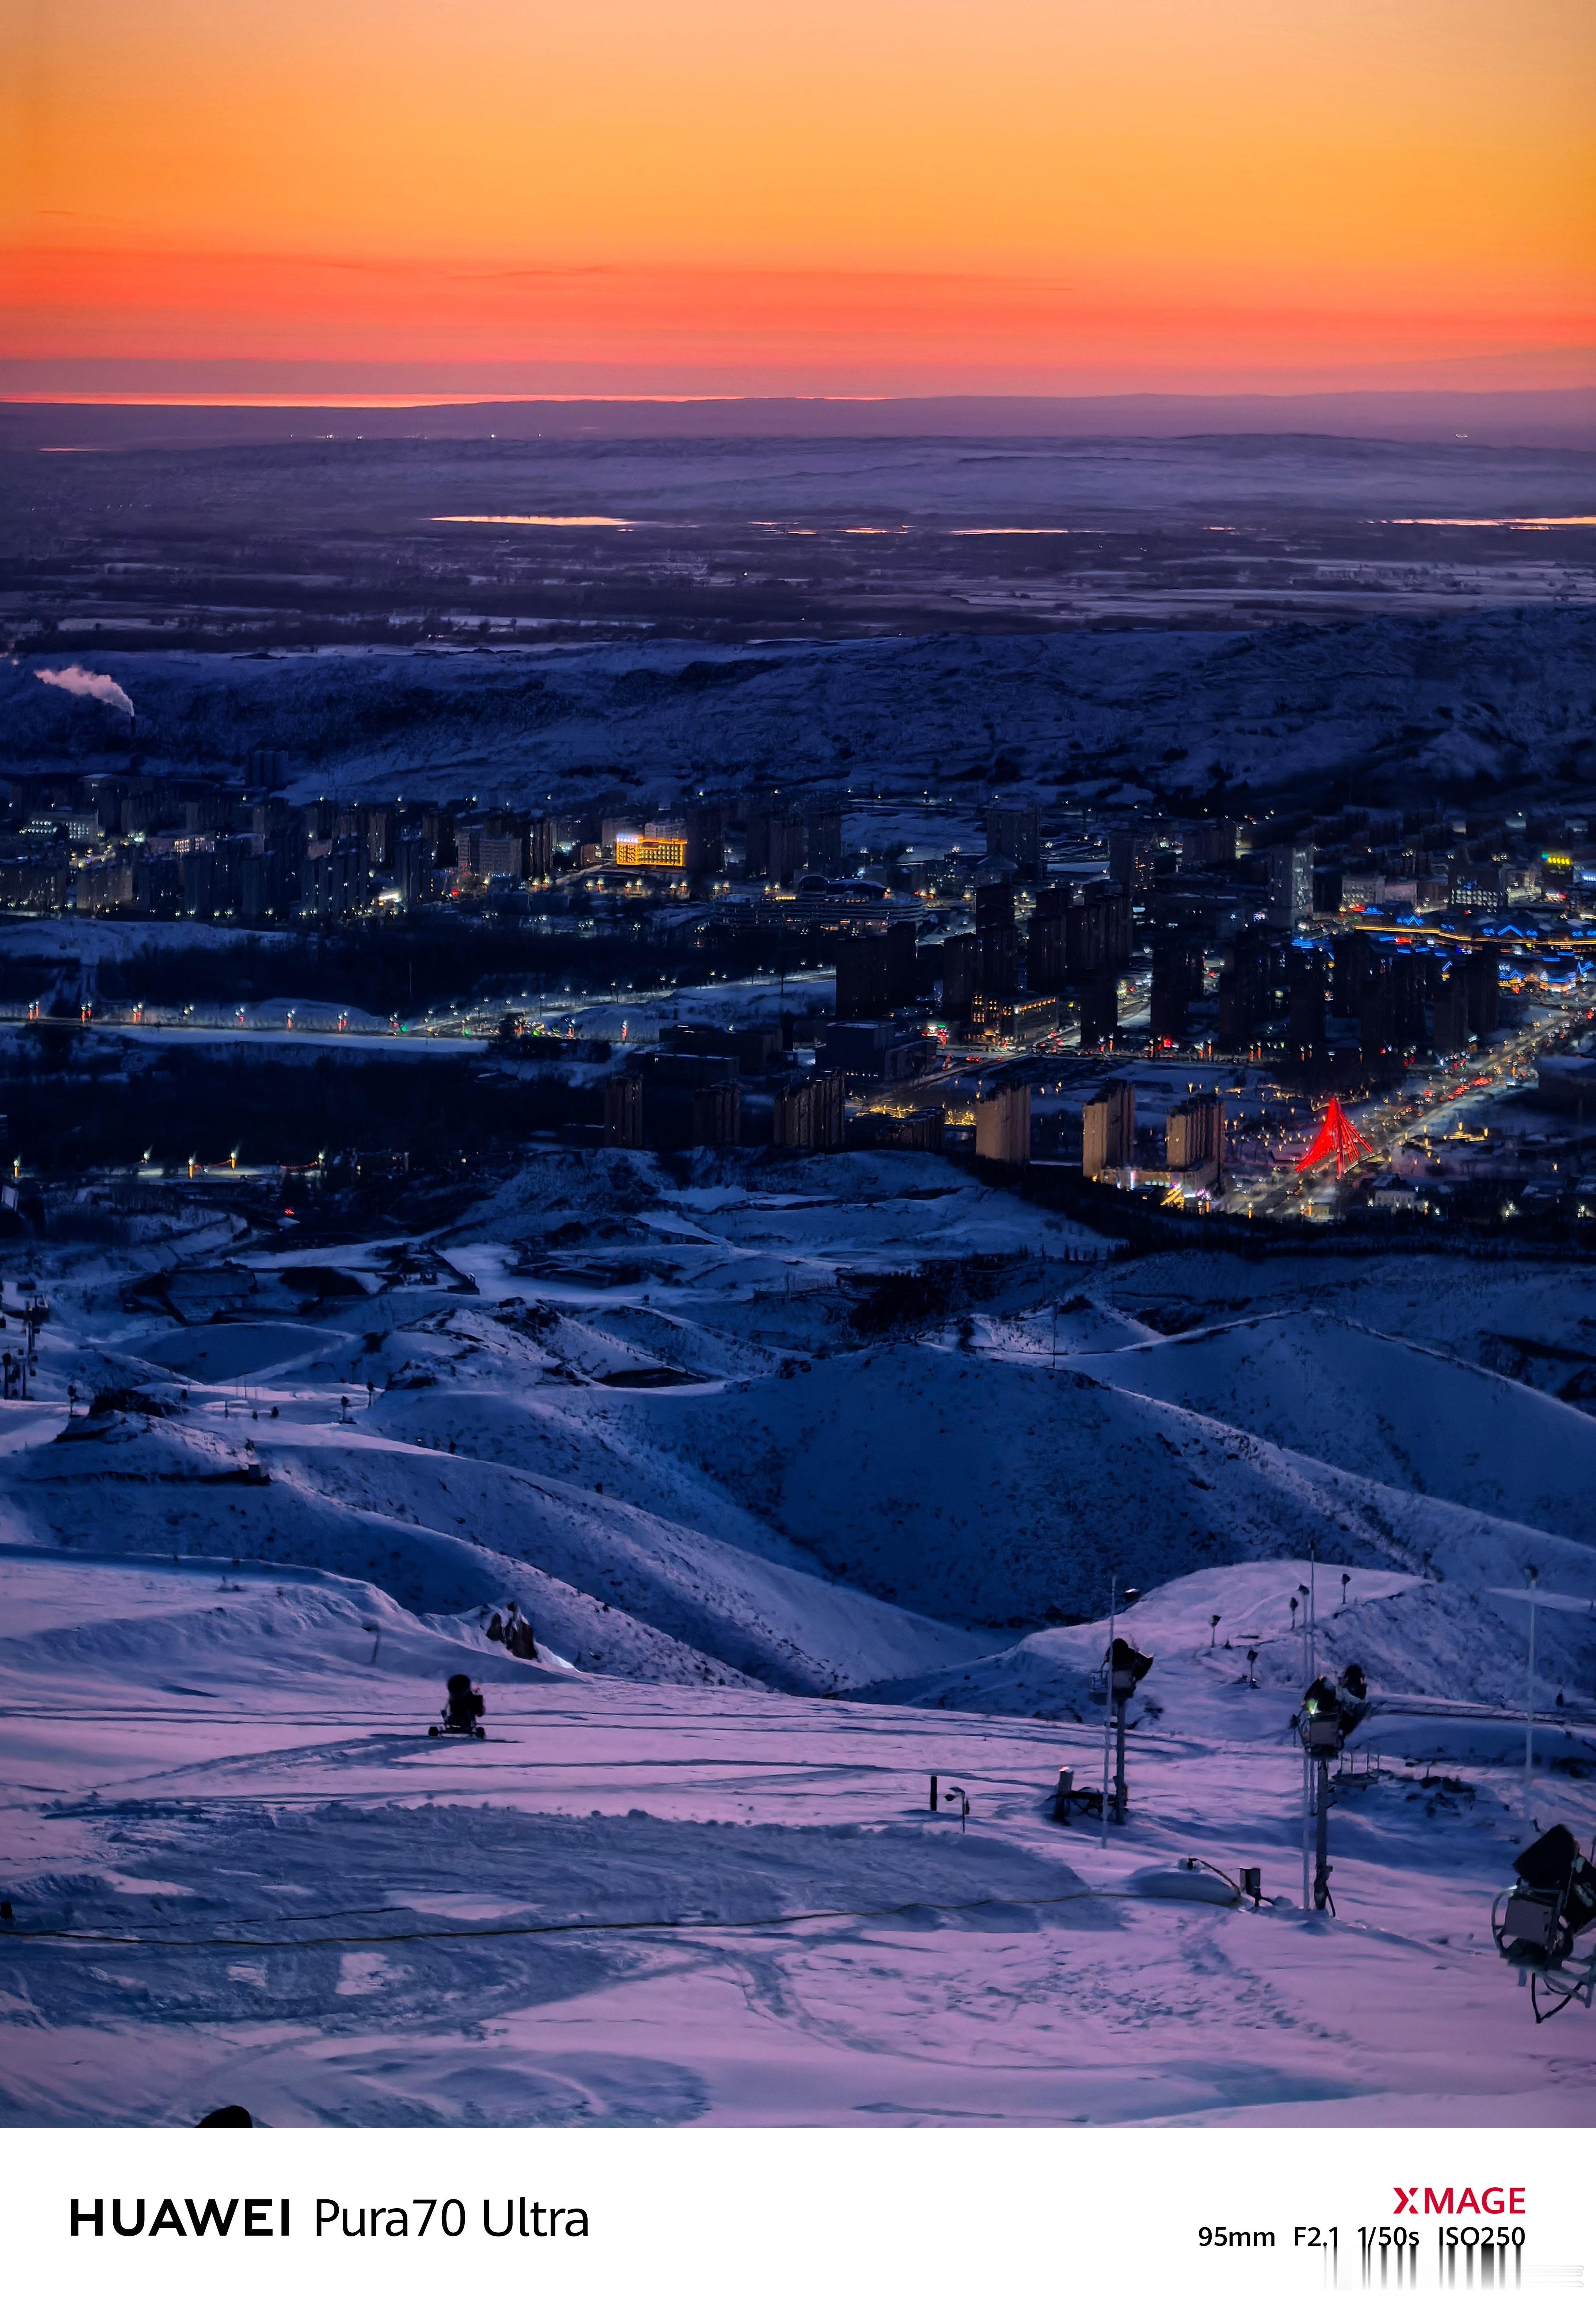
(758,195)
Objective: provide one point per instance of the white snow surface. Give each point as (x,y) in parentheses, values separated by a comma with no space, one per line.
(782,1569)
(1409,1414)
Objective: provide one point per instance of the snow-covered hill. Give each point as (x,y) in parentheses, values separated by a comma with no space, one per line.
(781,1572)
(1429,703)
(1406,1413)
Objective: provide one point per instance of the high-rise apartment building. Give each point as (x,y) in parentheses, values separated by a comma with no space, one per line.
(1108,1129)
(1291,885)
(1015,833)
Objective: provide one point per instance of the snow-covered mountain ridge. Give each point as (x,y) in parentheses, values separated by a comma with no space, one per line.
(1431,703)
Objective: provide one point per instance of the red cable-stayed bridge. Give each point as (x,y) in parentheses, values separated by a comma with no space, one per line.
(1337,1140)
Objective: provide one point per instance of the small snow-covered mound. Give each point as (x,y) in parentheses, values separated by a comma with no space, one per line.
(1077,1325)
(550,1187)
(164,1627)
(669,1340)
(1419,1641)
(514,1344)
(1187,1884)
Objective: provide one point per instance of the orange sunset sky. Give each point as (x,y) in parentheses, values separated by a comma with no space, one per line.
(844,196)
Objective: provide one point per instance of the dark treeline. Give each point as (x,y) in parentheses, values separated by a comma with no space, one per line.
(68,1108)
(886,1302)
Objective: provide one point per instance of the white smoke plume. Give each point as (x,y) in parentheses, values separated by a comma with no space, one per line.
(78,682)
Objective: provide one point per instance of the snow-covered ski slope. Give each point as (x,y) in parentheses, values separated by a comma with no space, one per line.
(250,1878)
(782,1569)
(1406,1414)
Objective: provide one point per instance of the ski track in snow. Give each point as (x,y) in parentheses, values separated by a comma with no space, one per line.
(692,1875)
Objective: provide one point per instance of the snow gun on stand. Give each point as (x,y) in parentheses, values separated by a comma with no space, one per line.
(462,1714)
(1330,1711)
(1535,1923)
(1121,1673)
(1116,1681)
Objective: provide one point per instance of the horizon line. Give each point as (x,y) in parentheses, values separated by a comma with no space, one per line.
(480,399)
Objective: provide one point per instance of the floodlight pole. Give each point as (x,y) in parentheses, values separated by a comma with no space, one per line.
(1312,1612)
(1119,1791)
(1321,1840)
(1529,1703)
(1307,1772)
(1108,1704)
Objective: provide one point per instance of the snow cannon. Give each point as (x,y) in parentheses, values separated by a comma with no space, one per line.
(1330,1710)
(1535,1923)
(1125,1665)
(1320,1723)
(1351,1695)
(462,1714)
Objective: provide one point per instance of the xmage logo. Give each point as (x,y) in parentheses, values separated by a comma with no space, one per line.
(1488,2201)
